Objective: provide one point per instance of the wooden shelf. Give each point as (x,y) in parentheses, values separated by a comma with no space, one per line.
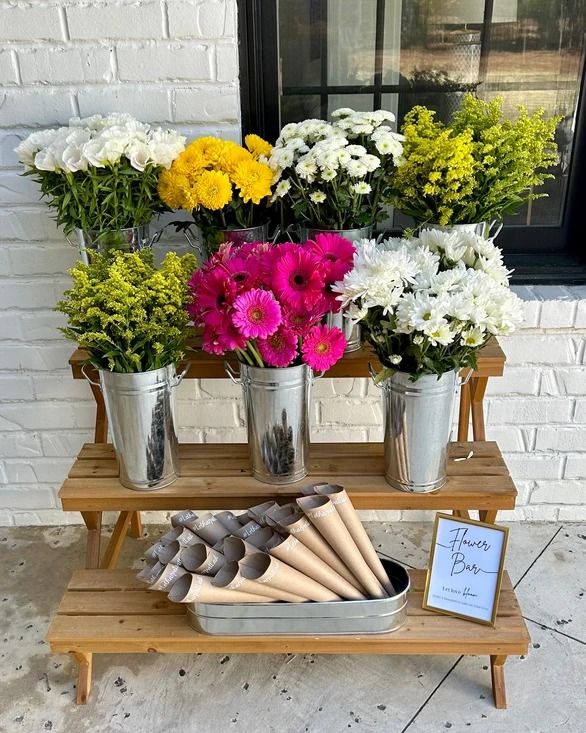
(491,362)
(217,476)
(109,611)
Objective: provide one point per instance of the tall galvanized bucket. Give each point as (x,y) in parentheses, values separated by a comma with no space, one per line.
(276,402)
(351,331)
(417,426)
(140,409)
(132,239)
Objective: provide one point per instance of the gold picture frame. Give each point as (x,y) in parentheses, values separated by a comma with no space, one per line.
(433,563)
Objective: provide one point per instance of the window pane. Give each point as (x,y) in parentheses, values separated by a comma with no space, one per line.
(432,52)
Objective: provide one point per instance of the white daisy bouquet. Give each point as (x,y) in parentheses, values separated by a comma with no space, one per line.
(337,175)
(426,305)
(101,173)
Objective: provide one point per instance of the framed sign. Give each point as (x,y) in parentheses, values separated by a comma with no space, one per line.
(465,568)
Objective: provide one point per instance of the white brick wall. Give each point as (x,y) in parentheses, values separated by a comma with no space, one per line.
(176,61)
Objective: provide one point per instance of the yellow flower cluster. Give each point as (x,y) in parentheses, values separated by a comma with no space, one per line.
(130,316)
(209,169)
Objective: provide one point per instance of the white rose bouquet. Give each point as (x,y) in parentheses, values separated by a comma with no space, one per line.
(337,175)
(101,173)
(427,305)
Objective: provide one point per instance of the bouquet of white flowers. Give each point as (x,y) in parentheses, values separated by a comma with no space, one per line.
(101,173)
(337,175)
(427,305)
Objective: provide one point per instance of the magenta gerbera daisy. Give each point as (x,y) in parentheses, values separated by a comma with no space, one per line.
(323,347)
(220,334)
(256,313)
(298,279)
(280,349)
(244,273)
(336,254)
(214,291)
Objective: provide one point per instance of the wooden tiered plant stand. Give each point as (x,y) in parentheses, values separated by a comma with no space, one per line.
(107,610)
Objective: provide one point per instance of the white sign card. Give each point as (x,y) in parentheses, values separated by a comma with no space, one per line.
(465,568)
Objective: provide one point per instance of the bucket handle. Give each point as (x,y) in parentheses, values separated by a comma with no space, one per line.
(96,384)
(315,377)
(467,378)
(232,373)
(492,236)
(178,378)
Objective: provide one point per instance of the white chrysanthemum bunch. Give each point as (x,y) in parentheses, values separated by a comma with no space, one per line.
(101,173)
(422,312)
(100,142)
(337,175)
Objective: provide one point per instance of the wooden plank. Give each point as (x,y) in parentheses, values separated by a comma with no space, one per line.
(490,363)
(118,603)
(172,633)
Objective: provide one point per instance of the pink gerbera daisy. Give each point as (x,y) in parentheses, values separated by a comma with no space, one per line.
(322,347)
(256,313)
(335,253)
(244,273)
(214,291)
(220,334)
(298,279)
(300,323)
(280,349)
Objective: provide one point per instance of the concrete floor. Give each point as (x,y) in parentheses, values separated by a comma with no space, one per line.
(303,693)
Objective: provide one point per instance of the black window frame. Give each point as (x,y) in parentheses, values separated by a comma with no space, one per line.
(539,254)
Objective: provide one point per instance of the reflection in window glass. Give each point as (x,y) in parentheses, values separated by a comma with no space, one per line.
(339,53)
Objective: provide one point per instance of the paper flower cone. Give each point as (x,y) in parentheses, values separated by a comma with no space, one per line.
(202,559)
(246,531)
(278,512)
(243,518)
(153,552)
(301,528)
(229,521)
(171,553)
(181,534)
(234,549)
(169,575)
(291,551)
(257,513)
(340,499)
(260,538)
(230,577)
(323,515)
(270,571)
(150,572)
(183,517)
(208,528)
(192,588)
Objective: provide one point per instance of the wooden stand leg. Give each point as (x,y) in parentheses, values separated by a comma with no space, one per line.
(461,513)
(135,525)
(101,429)
(497,673)
(487,515)
(464,414)
(116,541)
(84,680)
(477,391)
(93,522)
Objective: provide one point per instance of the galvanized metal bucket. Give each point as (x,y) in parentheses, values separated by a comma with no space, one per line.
(417,426)
(378,616)
(352,331)
(140,409)
(132,239)
(207,246)
(276,403)
(487,229)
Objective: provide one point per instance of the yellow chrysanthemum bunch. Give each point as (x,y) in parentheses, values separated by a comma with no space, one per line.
(212,174)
